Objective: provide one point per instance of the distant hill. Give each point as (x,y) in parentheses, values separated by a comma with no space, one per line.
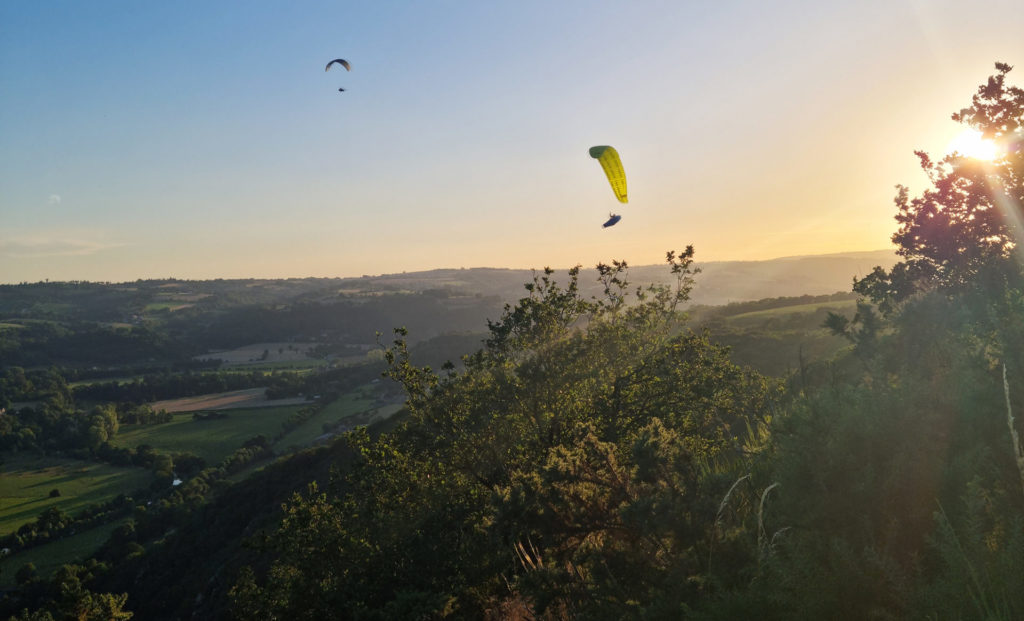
(177,319)
(738,281)
(720,282)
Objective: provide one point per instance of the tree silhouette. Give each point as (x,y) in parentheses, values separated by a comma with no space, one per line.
(961,235)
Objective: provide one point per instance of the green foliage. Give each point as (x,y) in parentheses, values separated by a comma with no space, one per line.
(863,330)
(985,558)
(26,573)
(574,467)
(867,461)
(68,598)
(864,462)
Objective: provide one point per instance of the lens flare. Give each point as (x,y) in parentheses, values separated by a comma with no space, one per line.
(970,143)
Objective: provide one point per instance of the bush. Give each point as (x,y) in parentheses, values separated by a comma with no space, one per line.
(26,573)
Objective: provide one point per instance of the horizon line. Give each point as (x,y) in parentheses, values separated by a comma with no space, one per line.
(424,271)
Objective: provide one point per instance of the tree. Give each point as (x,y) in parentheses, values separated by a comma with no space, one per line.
(575,465)
(53,520)
(898,485)
(26,573)
(77,602)
(963,234)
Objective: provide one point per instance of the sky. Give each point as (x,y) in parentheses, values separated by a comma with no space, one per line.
(203,139)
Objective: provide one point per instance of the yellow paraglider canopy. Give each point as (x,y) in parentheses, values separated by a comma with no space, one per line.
(612,166)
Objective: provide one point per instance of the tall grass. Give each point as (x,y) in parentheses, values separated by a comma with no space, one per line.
(1014,437)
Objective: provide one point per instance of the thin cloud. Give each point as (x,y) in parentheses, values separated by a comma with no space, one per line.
(34,248)
(54,199)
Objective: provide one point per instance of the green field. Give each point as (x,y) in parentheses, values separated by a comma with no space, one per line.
(213,440)
(343,407)
(843,307)
(48,557)
(153,307)
(346,406)
(305,364)
(27,480)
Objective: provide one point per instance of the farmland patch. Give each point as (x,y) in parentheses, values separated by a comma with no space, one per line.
(212,439)
(246,398)
(257,353)
(28,480)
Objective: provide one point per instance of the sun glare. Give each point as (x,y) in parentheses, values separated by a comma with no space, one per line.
(969,143)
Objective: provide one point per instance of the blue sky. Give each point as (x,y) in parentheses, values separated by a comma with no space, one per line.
(205,140)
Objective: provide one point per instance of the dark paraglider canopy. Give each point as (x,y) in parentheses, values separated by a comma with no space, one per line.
(340,61)
(612,220)
(343,63)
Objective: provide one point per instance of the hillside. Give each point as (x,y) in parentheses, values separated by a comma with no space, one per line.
(720,282)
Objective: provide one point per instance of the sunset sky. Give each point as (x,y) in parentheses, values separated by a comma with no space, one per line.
(204,139)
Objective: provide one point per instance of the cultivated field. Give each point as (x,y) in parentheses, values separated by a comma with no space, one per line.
(27,480)
(49,556)
(247,398)
(299,366)
(763,317)
(213,440)
(254,353)
(352,405)
(165,306)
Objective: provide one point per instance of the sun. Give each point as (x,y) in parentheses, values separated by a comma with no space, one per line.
(970,143)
